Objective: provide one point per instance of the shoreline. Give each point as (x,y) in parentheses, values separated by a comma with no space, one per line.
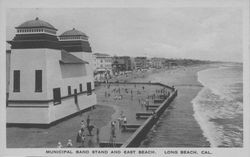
(208,123)
(187,91)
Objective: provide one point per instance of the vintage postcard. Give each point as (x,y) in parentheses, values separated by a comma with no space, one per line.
(115,78)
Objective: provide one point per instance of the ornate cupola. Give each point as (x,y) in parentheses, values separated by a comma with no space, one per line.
(75,41)
(35,34)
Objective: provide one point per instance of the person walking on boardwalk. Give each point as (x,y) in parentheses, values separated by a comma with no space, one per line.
(82,124)
(88,120)
(124,119)
(69,143)
(97,135)
(89,127)
(59,145)
(112,136)
(80,137)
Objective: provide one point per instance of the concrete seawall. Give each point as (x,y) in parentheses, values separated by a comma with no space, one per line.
(141,132)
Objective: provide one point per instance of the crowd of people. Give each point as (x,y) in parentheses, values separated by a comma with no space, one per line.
(117,93)
(86,129)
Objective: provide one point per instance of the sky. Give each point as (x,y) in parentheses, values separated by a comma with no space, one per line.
(206,33)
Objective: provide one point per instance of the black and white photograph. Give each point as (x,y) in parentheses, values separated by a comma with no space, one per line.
(87,78)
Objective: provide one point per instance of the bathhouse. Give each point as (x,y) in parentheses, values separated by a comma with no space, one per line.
(50,76)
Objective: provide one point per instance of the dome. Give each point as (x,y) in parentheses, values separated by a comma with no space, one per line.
(37,23)
(73,32)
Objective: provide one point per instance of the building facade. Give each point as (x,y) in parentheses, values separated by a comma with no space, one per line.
(158,62)
(103,66)
(103,61)
(140,63)
(121,63)
(49,79)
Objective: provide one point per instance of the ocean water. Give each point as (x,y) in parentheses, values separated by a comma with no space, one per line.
(218,107)
(211,115)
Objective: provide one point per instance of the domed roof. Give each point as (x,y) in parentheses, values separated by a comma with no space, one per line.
(35,24)
(73,32)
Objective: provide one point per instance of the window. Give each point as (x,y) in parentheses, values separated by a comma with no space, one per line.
(69,90)
(89,90)
(16,84)
(38,81)
(80,87)
(57,96)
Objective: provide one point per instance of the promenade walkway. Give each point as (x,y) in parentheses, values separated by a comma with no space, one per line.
(113,101)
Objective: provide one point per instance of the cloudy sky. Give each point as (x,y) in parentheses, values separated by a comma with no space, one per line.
(201,33)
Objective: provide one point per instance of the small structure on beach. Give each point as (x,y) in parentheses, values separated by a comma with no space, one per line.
(49,78)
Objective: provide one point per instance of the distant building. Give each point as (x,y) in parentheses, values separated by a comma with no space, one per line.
(158,62)
(132,63)
(49,79)
(103,66)
(121,63)
(149,63)
(140,62)
(103,61)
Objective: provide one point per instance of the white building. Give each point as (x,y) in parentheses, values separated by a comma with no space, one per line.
(157,62)
(103,65)
(50,79)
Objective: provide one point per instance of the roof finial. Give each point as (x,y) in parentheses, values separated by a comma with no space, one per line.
(37,18)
